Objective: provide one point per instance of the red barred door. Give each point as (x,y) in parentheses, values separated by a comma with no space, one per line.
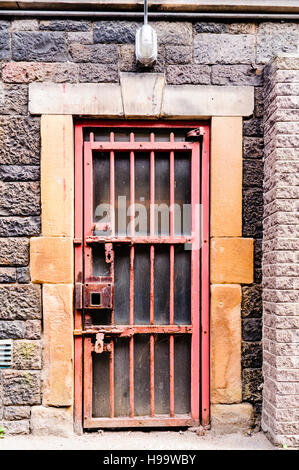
(141,274)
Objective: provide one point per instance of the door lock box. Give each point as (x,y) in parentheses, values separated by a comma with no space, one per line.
(94,295)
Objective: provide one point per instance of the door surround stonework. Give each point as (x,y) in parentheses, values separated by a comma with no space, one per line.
(52,254)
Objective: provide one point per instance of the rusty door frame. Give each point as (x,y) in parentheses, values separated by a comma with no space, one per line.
(203,339)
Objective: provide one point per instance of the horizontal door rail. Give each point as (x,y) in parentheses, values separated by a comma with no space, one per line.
(135,240)
(135,146)
(157,421)
(128,331)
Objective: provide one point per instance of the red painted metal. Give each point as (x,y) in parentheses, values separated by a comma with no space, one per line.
(199,328)
(78,346)
(205,283)
(195,286)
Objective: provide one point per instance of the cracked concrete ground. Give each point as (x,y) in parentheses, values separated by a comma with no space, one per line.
(140,440)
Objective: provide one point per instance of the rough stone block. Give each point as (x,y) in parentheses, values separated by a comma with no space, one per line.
(4,45)
(20,198)
(253,147)
(33,329)
(173,33)
(12,329)
(231,418)
(39,46)
(14,251)
(275,38)
(253,173)
(98,73)
(252,329)
(253,212)
(178,54)
(252,301)
(226,176)
(23,275)
(252,355)
(225,344)
(58,345)
(19,140)
(19,173)
(14,413)
(188,74)
(210,28)
(27,355)
(95,53)
(21,387)
(15,427)
(80,37)
(7,275)
(236,75)
(15,99)
(20,302)
(65,25)
(57,175)
(24,25)
(252,382)
(120,32)
(19,226)
(51,260)
(46,421)
(224,49)
(232,260)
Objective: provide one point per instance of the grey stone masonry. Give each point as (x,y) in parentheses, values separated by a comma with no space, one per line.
(281,251)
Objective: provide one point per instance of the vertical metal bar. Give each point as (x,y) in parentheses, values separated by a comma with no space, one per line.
(132,256)
(87,379)
(112,188)
(111,373)
(171,292)
(78,347)
(205,281)
(195,286)
(152,278)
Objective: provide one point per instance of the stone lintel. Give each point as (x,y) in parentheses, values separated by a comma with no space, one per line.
(92,99)
(141,95)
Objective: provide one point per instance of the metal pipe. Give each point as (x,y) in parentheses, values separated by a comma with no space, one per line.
(145,11)
(176,16)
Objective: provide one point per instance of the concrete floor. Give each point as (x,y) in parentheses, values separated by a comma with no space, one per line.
(138,440)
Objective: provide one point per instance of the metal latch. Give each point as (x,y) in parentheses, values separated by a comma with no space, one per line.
(196,134)
(99,345)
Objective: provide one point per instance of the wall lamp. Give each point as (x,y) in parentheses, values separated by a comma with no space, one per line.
(146,42)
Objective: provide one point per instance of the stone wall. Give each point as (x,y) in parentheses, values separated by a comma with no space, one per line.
(67,51)
(280,252)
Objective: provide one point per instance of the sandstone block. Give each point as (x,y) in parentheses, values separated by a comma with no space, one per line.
(226,344)
(232,260)
(57,175)
(231,418)
(58,345)
(51,260)
(46,421)
(149,98)
(226,176)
